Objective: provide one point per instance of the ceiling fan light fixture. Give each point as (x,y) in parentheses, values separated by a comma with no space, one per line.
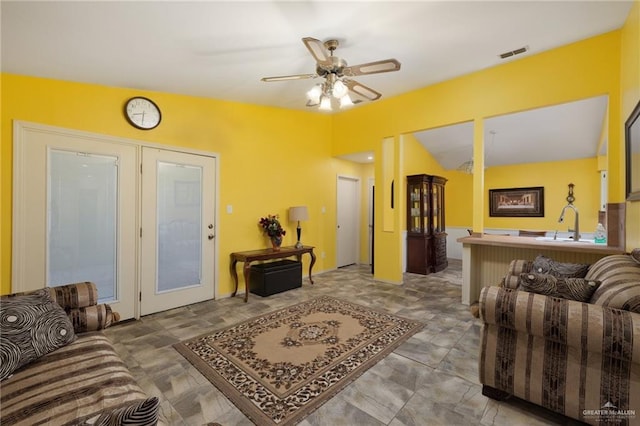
(337,83)
(345,101)
(339,89)
(325,103)
(314,94)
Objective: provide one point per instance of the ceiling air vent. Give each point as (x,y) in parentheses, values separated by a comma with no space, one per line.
(506,55)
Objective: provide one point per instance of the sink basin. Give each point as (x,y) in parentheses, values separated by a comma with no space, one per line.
(564,240)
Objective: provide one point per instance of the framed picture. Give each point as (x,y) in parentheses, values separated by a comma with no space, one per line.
(517,202)
(632,145)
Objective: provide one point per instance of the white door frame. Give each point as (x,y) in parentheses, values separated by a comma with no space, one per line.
(356,213)
(20,223)
(370,185)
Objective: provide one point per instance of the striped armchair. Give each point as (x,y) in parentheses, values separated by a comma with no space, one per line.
(578,359)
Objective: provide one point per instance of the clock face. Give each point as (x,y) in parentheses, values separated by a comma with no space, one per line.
(142,113)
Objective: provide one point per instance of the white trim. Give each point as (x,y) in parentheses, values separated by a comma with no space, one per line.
(370,214)
(18,255)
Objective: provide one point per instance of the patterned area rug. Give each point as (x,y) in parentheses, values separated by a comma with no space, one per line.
(279,367)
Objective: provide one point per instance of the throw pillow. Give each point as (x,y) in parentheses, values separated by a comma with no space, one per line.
(537,283)
(545,265)
(31,326)
(139,413)
(579,289)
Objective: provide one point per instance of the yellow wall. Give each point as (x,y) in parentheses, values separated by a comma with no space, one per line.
(580,70)
(555,178)
(630,94)
(270,158)
(458,189)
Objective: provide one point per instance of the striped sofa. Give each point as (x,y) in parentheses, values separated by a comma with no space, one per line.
(575,358)
(82,382)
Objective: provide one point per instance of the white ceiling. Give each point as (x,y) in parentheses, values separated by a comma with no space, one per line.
(221,49)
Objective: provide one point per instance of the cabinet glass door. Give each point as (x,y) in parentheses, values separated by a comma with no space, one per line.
(425,207)
(436,209)
(415,215)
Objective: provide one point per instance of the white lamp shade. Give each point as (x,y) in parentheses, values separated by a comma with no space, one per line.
(314,94)
(325,103)
(345,101)
(339,89)
(298,213)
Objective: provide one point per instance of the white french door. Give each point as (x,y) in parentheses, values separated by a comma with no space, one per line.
(81,213)
(73,198)
(178,229)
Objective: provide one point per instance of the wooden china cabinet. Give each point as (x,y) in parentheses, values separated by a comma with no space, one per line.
(426,236)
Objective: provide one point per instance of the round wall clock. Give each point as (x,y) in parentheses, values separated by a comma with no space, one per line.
(142,113)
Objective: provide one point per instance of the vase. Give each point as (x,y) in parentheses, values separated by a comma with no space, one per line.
(276,242)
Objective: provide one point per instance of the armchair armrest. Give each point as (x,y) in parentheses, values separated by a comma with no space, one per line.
(584,326)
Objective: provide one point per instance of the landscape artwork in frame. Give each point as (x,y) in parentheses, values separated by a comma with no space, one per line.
(517,202)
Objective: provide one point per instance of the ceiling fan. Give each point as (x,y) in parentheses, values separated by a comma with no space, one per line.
(337,84)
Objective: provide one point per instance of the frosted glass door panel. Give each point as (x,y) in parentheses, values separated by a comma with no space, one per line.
(179,219)
(82,221)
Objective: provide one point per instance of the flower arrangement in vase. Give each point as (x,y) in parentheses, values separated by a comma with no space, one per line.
(271,226)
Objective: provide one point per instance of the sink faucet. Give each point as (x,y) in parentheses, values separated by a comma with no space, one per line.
(576,227)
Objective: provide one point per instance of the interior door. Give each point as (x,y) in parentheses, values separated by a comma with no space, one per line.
(348,209)
(178,229)
(73,219)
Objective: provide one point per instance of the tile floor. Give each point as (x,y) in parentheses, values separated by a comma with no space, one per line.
(431,379)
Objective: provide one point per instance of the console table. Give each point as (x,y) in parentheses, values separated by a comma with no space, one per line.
(265,254)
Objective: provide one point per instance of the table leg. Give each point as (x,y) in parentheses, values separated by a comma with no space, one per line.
(313,261)
(247,271)
(234,276)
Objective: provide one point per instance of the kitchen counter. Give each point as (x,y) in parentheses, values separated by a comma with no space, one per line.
(485,258)
(540,242)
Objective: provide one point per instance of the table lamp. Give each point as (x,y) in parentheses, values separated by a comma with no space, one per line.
(298,213)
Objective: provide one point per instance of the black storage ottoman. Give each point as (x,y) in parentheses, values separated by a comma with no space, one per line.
(275,277)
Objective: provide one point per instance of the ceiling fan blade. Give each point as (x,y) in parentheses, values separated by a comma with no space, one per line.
(362,90)
(386,65)
(318,51)
(289,77)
